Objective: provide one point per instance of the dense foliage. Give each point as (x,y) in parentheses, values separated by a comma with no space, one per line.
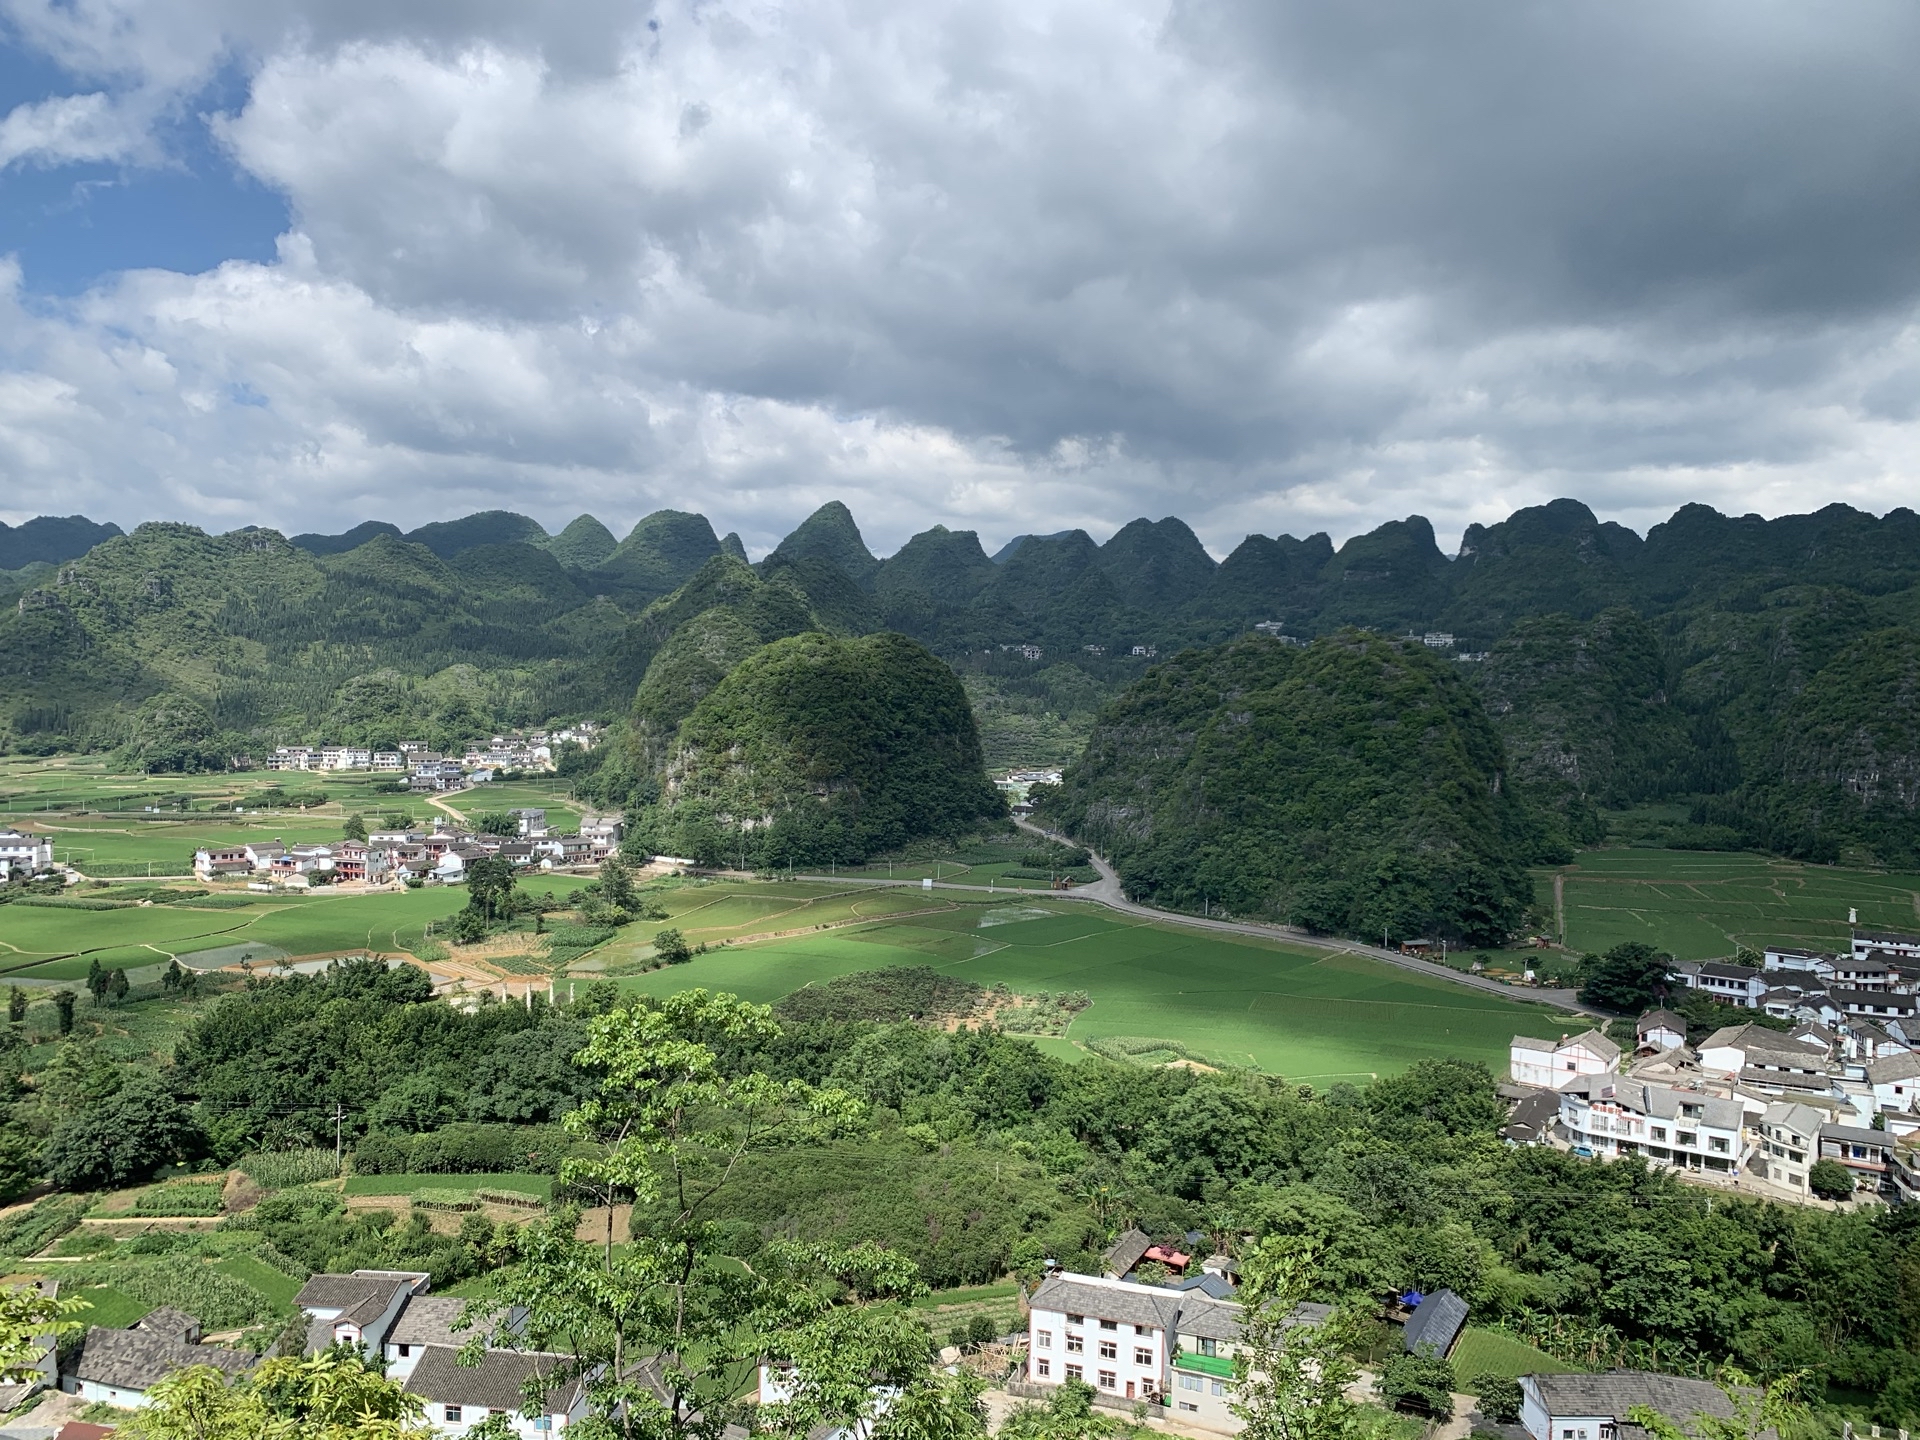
(1353,786)
(816,748)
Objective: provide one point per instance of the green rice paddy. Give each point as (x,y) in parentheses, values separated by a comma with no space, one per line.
(1699,905)
(1314,1016)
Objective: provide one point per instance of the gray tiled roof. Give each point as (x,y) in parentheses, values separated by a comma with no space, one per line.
(167,1321)
(1125,1252)
(1435,1324)
(1529,1042)
(494,1384)
(429,1320)
(1894,1068)
(1660,1019)
(1857,1135)
(139,1359)
(1128,1306)
(1617,1391)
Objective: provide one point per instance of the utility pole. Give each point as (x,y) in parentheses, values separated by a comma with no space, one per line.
(338,1114)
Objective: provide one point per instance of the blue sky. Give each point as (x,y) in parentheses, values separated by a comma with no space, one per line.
(73,225)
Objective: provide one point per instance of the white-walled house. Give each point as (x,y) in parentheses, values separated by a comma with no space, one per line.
(1554,1065)
(1740,985)
(1885,942)
(1660,1030)
(357,1309)
(1896,1083)
(1684,1129)
(1810,963)
(119,1367)
(458,1397)
(1788,1145)
(22,854)
(1596,1407)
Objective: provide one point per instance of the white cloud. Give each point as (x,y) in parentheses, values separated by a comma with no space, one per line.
(1012,265)
(70,128)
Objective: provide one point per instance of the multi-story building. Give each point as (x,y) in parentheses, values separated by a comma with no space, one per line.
(22,854)
(1886,943)
(1730,984)
(1789,1143)
(1173,1348)
(1684,1129)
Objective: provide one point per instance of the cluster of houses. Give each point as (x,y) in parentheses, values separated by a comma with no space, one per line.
(1146,1331)
(517,751)
(440,856)
(1841,1083)
(22,855)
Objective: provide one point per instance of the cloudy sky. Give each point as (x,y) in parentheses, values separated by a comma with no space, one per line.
(1271,265)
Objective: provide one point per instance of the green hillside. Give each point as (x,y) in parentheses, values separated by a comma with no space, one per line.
(1352,786)
(818,748)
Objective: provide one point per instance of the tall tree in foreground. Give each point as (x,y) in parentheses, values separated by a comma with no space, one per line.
(667,1331)
(1290,1377)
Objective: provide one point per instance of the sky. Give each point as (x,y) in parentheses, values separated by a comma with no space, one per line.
(1011,265)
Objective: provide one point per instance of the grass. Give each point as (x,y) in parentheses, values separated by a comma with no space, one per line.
(1314,1016)
(1698,905)
(277,1287)
(541,1185)
(1488,1352)
(109,1308)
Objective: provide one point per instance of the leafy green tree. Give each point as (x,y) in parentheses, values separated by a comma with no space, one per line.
(117,985)
(20,1166)
(121,1139)
(1830,1180)
(16,1004)
(616,884)
(669,1127)
(397,820)
(355,828)
(671,946)
(496,822)
(1630,978)
(469,925)
(1779,1407)
(1421,1383)
(25,1316)
(63,1009)
(1290,1378)
(335,1395)
(1499,1397)
(1067,1414)
(490,882)
(96,980)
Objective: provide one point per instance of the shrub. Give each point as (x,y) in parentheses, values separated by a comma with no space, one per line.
(1499,1397)
(1421,1383)
(1830,1180)
(461,1149)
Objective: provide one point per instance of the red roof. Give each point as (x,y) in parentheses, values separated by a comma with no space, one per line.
(82,1430)
(1167,1256)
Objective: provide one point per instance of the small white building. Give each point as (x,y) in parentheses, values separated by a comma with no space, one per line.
(1788,1143)
(1885,942)
(1596,1407)
(1740,985)
(119,1367)
(458,1397)
(1659,1030)
(1554,1065)
(1681,1129)
(23,854)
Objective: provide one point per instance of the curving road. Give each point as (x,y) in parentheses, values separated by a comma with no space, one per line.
(1107,891)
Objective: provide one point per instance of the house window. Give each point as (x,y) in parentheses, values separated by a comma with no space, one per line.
(1143,1329)
(1109,1350)
(1043,1367)
(1142,1356)
(1716,1144)
(1109,1380)
(1076,1319)
(1075,1343)
(1686,1137)
(543,1424)
(405,1351)
(1043,1339)
(1076,1372)
(1186,1381)
(1659,1132)
(451,1413)
(1188,1405)
(1218,1387)
(1109,1324)
(1209,1347)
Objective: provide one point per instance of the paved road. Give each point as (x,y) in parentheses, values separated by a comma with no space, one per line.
(1107,891)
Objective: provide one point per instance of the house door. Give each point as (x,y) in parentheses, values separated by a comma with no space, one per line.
(1129,1389)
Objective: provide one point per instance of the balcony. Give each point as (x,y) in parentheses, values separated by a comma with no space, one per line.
(1219,1366)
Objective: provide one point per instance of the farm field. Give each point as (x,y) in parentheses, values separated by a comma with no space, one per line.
(1488,1352)
(1698,905)
(1313,1016)
(523,1183)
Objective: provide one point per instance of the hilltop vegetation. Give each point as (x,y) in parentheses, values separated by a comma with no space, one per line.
(1353,786)
(1761,673)
(818,748)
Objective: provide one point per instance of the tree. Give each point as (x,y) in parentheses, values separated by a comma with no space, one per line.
(616,884)
(496,822)
(355,828)
(1499,1397)
(1421,1383)
(63,1008)
(20,1167)
(469,925)
(96,980)
(335,1395)
(1068,1414)
(1830,1180)
(122,1138)
(1756,1410)
(1290,1377)
(669,1127)
(16,1004)
(25,1317)
(490,886)
(1630,978)
(117,985)
(671,946)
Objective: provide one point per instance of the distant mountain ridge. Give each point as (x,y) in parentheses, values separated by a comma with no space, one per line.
(1760,672)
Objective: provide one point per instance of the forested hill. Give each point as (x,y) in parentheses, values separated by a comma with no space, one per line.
(1763,674)
(1355,786)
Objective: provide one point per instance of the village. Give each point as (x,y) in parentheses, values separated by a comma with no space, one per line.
(1834,1077)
